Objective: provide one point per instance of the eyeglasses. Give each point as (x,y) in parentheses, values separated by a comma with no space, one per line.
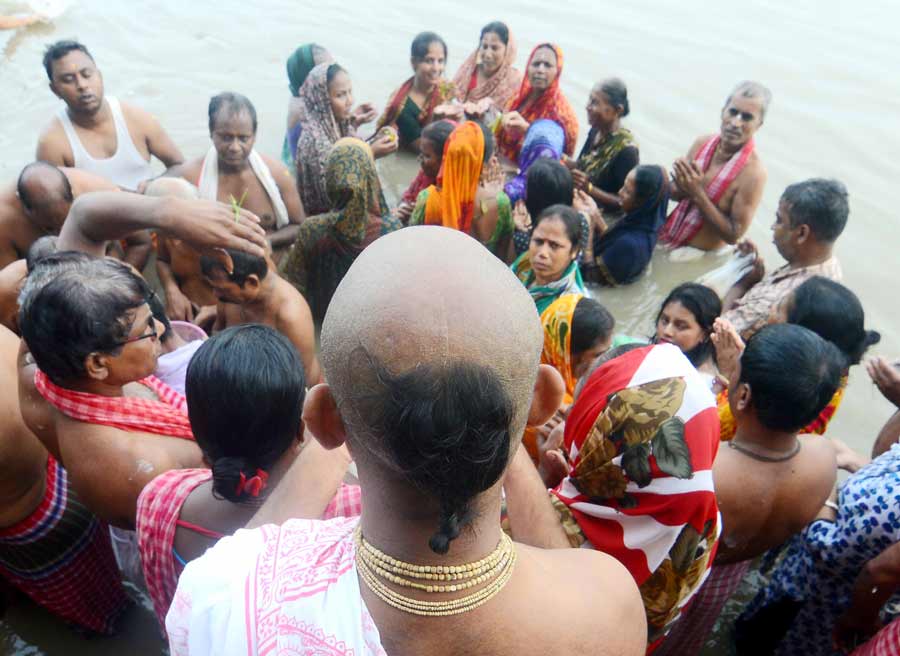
(151,323)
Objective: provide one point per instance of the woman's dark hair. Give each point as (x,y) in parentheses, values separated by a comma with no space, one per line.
(488,141)
(88,309)
(498,28)
(834,313)
(591,323)
(571,220)
(547,183)
(234,103)
(616,93)
(438,133)
(647,181)
(245,389)
(419,49)
(446,431)
(792,373)
(332,72)
(706,306)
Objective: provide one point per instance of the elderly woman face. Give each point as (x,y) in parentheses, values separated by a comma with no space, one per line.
(543,69)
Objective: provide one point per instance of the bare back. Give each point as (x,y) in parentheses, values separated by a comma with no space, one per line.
(764,503)
(17,233)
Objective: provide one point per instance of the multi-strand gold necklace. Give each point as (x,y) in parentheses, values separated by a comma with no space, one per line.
(374,565)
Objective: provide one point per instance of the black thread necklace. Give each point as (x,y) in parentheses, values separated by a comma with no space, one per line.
(758,456)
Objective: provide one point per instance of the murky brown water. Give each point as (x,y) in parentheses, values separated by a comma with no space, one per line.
(832,67)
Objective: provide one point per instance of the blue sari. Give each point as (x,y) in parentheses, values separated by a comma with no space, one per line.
(545,138)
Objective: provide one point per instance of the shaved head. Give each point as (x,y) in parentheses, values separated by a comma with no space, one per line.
(40,182)
(176,187)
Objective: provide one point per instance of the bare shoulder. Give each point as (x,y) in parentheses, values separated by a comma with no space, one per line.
(190,170)
(698,143)
(820,454)
(138,115)
(755,171)
(53,144)
(293,309)
(280,172)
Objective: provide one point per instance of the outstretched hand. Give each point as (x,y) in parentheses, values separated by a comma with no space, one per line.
(365,113)
(552,464)
(729,347)
(886,377)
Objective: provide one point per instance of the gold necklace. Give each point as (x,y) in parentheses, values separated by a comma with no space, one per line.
(371,565)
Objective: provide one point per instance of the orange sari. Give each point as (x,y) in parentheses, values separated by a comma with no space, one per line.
(452,202)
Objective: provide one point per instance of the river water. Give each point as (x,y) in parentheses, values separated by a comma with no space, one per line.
(831,66)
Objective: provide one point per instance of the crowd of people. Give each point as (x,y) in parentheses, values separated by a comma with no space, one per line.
(300,432)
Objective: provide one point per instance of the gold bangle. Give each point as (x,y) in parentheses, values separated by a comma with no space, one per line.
(590,187)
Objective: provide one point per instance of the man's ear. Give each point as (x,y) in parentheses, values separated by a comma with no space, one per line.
(322,417)
(549,389)
(744,396)
(97,366)
(252,283)
(803,233)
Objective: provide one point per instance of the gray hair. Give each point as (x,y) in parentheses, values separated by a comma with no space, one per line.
(751,89)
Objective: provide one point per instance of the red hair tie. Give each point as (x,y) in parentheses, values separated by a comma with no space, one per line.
(253,485)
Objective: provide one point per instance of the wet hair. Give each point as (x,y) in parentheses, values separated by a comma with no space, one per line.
(45,265)
(234,103)
(705,305)
(547,183)
(498,28)
(445,430)
(39,249)
(647,181)
(751,89)
(617,93)
(792,373)
(244,266)
(56,51)
(419,48)
(571,220)
(438,133)
(332,72)
(834,313)
(245,388)
(819,203)
(591,323)
(23,189)
(88,309)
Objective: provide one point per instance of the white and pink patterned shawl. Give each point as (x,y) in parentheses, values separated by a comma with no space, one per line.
(274,591)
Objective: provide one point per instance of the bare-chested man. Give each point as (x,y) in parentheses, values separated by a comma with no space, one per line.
(431,391)
(770,483)
(98,133)
(720,183)
(233,172)
(38,204)
(255,293)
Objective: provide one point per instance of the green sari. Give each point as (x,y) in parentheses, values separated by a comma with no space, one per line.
(569,282)
(328,244)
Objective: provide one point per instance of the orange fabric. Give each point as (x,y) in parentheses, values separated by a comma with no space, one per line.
(452,203)
(557,323)
(552,104)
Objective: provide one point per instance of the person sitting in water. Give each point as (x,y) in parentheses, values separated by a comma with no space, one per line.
(686,319)
(811,216)
(181,513)
(487,80)
(95,342)
(299,64)
(549,268)
(327,97)
(458,201)
(431,156)
(619,255)
(52,548)
(411,107)
(823,306)
(432,418)
(232,172)
(538,97)
(641,439)
(328,244)
(772,481)
(719,184)
(544,139)
(97,133)
(253,293)
(610,151)
(547,183)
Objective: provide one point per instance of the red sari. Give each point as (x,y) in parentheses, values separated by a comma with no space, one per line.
(552,104)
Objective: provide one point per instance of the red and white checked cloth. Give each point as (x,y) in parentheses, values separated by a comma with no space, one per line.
(167,416)
(884,643)
(686,219)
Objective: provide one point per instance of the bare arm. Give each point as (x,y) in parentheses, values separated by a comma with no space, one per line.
(876,583)
(732,226)
(159,143)
(286,235)
(297,325)
(532,518)
(137,249)
(52,146)
(14,22)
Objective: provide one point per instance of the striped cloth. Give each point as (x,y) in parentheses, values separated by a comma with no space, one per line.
(885,643)
(642,437)
(60,556)
(158,511)
(686,219)
(167,416)
(692,629)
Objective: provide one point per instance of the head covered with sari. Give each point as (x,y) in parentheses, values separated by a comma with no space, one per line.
(500,87)
(570,282)
(451,203)
(551,104)
(557,323)
(641,439)
(625,250)
(320,132)
(299,64)
(328,244)
(545,138)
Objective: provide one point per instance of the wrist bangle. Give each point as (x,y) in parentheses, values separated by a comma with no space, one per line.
(831,504)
